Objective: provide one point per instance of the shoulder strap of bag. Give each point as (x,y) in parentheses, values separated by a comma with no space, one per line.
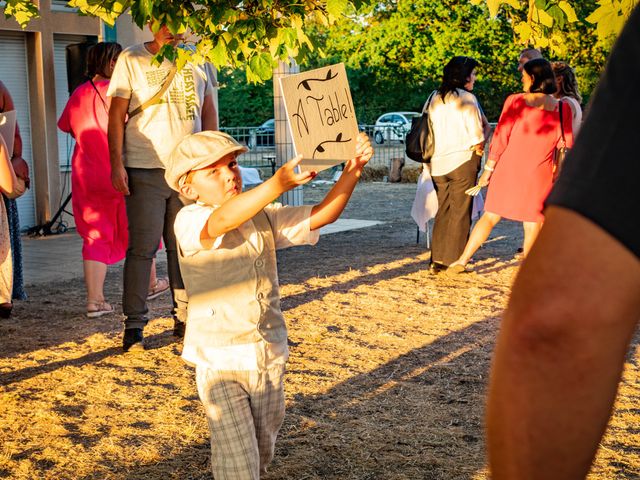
(426,105)
(156,98)
(564,142)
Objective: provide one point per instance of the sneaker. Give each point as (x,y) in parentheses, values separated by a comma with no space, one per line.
(133,340)
(179,328)
(161,286)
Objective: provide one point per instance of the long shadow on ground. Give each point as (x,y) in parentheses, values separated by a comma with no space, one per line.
(359,429)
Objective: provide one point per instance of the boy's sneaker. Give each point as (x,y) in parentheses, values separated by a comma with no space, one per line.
(133,340)
(179,328)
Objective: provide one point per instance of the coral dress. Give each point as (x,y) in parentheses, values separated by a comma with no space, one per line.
(98,209)
(523,145)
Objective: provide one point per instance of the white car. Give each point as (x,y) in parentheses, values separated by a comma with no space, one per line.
(393,126)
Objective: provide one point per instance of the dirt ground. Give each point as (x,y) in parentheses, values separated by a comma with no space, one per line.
(386,380)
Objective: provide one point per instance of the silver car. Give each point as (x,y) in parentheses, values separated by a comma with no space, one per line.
(393,126)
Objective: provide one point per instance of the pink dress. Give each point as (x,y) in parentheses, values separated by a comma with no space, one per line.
(98,209)
(523,145)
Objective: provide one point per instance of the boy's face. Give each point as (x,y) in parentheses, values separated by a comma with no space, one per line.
(215,184)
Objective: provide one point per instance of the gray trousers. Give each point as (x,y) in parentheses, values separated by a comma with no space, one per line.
(151,210)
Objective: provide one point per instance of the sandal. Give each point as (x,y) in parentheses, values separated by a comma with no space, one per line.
(456,269)
(100,308)
(161,286)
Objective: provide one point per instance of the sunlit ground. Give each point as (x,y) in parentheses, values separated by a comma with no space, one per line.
(386,380)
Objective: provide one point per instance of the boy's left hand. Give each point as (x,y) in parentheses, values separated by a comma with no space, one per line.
(364,152)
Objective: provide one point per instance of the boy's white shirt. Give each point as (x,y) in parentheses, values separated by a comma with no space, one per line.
(290,226)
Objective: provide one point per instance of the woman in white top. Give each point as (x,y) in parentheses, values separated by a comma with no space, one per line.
(457,128)
(568,92)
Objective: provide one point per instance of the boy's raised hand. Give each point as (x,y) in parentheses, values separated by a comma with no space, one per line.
(364,152)
(287,177)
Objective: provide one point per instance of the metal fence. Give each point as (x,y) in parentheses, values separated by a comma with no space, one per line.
(388,143)
(262,152)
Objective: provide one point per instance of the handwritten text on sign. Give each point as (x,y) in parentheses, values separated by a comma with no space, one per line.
(321,116)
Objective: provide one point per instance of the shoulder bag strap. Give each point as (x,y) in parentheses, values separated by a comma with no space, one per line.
(564,142)
(156,98)
(426,105)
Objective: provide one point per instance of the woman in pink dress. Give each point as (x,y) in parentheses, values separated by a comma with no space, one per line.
(519,169)
(98,209)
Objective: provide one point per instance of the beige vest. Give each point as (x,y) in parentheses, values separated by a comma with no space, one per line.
(233,290)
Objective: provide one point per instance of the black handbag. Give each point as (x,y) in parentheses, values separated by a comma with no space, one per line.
(561,150)
(419,144)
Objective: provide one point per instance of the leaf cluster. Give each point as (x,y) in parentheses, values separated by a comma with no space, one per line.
(243,103)
(249,34)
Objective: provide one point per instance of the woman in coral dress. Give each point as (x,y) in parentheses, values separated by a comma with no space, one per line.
(98,209)
(519,169)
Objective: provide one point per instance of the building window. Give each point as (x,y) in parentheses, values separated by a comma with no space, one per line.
(61,6)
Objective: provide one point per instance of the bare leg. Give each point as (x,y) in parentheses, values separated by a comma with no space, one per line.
(153,278)
(479,235)
(157,285)
(531,230)
(94,275)
(558,361)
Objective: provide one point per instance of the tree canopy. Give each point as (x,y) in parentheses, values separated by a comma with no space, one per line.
(395,52)
(394,49)
(256,34)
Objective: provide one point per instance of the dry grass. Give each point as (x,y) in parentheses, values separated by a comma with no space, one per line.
(386,379)
(374,173)
(410,174)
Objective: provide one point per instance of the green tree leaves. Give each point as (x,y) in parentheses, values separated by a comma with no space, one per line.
(22,10)
(250,34)
(610,16)
(256,34)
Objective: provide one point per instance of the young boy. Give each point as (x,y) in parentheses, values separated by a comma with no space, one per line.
(236,334)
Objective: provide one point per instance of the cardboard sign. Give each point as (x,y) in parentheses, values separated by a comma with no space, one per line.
(8,129)
(321,116)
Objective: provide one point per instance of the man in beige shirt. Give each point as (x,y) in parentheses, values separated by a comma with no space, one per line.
(139,146)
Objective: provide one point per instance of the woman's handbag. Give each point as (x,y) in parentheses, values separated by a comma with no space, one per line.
(561,150)
(419,144)
(19,189)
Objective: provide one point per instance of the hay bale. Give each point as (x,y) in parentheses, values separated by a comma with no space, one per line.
(410,174)
(374,173)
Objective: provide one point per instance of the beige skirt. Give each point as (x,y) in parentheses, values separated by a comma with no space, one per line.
(6,263)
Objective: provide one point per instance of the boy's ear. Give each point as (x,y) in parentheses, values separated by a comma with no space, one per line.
(188,191)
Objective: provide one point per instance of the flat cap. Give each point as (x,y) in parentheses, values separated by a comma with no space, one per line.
(196,151)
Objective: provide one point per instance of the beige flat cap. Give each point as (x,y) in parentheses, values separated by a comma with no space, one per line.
(197,151)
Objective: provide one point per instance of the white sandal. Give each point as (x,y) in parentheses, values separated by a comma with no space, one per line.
(101,308)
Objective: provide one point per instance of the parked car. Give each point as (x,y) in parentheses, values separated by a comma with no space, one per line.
(264,135)
(393,126)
